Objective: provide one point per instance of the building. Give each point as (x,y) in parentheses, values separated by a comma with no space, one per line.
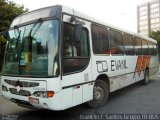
(148,17)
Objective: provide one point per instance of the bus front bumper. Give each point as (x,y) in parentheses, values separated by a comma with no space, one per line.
(35,102)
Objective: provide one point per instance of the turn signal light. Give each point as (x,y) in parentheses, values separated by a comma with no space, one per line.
(50,93)
(43,94)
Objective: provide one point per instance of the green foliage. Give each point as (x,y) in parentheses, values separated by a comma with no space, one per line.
(156,35)
(8,11)
(2,49)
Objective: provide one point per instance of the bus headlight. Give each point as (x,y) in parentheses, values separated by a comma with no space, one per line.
(43,94)
(4,88)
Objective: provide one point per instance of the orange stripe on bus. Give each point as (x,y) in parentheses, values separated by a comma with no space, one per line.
(144,62)
(148,61)
(139,63)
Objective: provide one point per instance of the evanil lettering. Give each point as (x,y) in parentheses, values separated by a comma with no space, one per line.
(118,65)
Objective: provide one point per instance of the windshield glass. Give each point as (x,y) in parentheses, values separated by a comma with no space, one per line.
(32,50)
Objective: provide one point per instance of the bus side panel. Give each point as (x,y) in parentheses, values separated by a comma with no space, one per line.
(77,95)
(88,92)
(114,83)
(151,66)
(117,71)
(111,66)
(72,89)
(129,77)
(154,65)
(67,98)
(139,75)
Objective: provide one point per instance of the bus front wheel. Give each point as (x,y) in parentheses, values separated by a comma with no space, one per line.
(100,94)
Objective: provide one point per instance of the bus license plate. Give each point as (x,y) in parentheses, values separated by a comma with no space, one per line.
(34,100)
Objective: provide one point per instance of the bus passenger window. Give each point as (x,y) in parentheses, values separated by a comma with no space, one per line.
(75,53)
(128,44)
(155,49)
(151,48)
(144,47)
(138,46)
(116,43)
(69,49)
(100,40)
(114,50)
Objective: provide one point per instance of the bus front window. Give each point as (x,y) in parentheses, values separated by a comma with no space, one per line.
(33,50)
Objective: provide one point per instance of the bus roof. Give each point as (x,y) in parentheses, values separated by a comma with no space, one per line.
(41,13)
(57,10)
(94,20)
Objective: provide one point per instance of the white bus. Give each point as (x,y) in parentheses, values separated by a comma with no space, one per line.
(57,58)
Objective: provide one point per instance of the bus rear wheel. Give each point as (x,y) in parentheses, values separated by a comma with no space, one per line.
(146,77)
(100,94)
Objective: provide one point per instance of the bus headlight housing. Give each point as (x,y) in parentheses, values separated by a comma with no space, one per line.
(43,94)
(4,88)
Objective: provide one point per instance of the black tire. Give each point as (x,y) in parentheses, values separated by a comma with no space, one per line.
(100,94)
(146,77)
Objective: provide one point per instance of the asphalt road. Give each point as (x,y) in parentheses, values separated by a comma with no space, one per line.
(134,99)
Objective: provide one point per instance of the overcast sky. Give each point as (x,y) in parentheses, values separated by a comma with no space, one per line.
(121,13)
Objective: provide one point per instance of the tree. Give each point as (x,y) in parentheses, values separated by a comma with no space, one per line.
(156,35)
(8,11)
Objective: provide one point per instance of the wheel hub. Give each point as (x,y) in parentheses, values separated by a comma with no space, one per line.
(98,93)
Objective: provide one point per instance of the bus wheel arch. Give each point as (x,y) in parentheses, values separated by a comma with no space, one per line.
(100,92)
(146,76)
(105,78)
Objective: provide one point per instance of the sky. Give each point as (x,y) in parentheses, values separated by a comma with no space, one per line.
(120,13)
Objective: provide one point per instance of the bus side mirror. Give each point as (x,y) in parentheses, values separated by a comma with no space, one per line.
(78,30)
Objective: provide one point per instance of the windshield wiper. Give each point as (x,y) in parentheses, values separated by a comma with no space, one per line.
(29,37)
(30,32)
(18,40)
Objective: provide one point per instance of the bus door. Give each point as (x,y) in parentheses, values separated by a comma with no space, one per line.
(76,67)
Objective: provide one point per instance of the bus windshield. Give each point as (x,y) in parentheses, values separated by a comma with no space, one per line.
(32,50)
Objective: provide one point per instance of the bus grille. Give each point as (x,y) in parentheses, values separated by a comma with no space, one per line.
(24,84)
